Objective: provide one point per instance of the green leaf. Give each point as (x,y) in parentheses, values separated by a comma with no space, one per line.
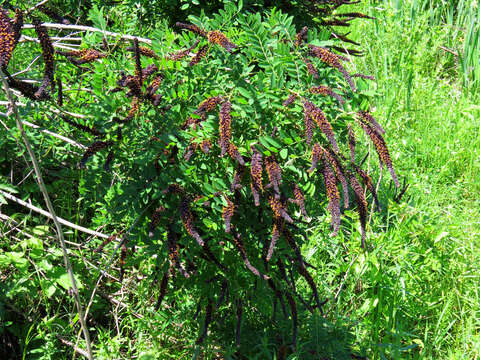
(41,230)
(322,43)
(4,261)
(51,290)
(8,188)
(272,142)
(18,259)
(64,281)
(244,92)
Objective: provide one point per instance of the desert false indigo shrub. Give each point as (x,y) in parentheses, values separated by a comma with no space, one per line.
(235,136)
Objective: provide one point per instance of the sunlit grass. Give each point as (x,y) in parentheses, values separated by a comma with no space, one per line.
(416,294)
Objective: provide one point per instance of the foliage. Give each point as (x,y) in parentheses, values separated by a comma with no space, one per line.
(388,303)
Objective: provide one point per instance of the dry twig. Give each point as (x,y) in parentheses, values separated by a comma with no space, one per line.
(44,191)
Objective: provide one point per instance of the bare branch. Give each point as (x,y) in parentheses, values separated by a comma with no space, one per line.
(43,2)
(56,44)
(55,135)
(92,29)
(46,196)
(10,197)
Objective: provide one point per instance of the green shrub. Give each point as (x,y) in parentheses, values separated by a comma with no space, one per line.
(210,152)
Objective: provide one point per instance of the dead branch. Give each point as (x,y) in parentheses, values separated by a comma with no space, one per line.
(46,196)
(91,29)
(10,197)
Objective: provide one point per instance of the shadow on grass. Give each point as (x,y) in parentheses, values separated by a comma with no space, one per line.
(317,338)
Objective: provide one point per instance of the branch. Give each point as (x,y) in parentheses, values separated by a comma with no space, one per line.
(58,136)
(64,46)
(121,242)
(92,29)
(61,239)
(75,348)
(49,215)
(55,111)
(36,6)
(453,52)
(119,303)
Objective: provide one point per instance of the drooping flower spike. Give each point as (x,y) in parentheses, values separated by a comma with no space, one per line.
(227,213)
(216,37)
(193,28)
(332,60)
(189,150)
(367,118)
(311,68)
(351,142)
(300,37)
(316,155)
(355,15)
(309,125)
(48,59)
(182,53)
(325,90)
(277,224)
(278,209)
(205,146)
(138,64)
(208,104)
(134,109)
(290,100)
(381,148)
(188,219)
(89,129)
(199,55)
(173,252)
(237,178)
(27,89)
(339,171)
(363,76)
(344,38)
(362,205)
(274,172)
(235,154)
(367,181)
(225,121)
(320,119)
(7,38)
(144,51)
(149,70)
(256,174)
(298,199)
(155,219)
(349,52)
(93,149)
(84,56)
(237,241)
(332,194)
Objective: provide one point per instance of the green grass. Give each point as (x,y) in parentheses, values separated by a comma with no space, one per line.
(420,294)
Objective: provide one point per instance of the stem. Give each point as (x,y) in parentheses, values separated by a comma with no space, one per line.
(89,28)
(44,191)
(47,214)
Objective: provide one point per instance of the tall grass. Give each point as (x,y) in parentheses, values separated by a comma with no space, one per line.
(459,20)
(416,294)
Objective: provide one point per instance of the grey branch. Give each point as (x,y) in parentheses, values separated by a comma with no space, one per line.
(91,29)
